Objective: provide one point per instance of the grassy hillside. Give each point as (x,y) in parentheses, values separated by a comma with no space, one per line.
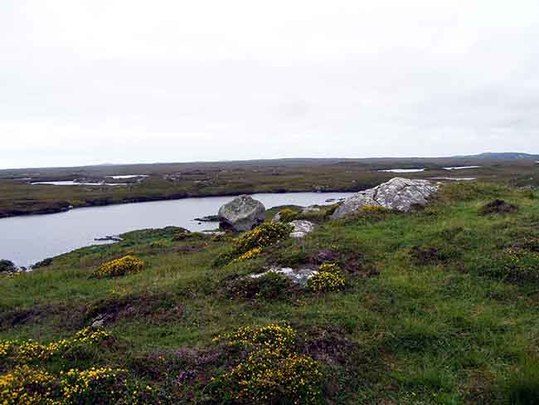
(439,306)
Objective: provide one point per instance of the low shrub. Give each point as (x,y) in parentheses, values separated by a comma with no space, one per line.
(271,378)
(323,281)
(291,256)
(250,254)
(329,268)
(27,385)
(513,265)
(277,336)
(32,385)
(119,267)
(43,263)
(288,215)
(94,384)
(423,255)
(250,244)
(498,207)
(26,380)
(269,286)
(272,370)
(7,266)
(160,244)
(329,278)
(369,213)
(30,351)
(530,243)
(266,234)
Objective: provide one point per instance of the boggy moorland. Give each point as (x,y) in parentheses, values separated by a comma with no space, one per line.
(436,305)
(18,196)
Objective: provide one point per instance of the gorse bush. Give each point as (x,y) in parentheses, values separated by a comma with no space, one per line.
(27,385)
(329,268)
(288,215)
(277,336)
(329,278)
(250,254)
(270,378)
(272,370)
(24,382)
(30,351)
(119,267)
(32,385)
(263,235)
(85,386)
(250,244)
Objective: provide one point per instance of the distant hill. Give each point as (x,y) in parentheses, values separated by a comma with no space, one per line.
(504,156)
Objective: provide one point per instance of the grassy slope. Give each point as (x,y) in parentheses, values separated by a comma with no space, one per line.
(453,329)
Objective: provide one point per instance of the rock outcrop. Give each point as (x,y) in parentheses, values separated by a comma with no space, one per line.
(241,214)
(301,228)
(297,276)
(398,194)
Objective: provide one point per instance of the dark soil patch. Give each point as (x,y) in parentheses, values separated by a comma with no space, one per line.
(498,207)
(530,244)
(184,373)
(348,364)
(66,317)
(271,286)
(330,346)
(426,255)
(352,262)
(18,317)
(152,308)
(323,256)
(182,364)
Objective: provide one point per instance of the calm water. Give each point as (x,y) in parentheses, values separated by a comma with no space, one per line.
(29,239)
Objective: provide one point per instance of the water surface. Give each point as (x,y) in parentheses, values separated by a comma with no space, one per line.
(403,170)
(28,239)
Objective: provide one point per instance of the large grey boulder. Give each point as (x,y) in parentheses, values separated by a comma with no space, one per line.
(398,194)
(241,214)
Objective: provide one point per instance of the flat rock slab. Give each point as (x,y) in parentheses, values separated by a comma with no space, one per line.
(297,276)
(301,228)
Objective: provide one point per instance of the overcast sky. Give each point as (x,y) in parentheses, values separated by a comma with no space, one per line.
(112,81)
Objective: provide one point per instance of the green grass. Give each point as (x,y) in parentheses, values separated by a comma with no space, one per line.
(460,327)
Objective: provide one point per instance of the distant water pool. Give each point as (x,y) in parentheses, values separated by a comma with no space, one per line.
(28,239)
(74,183)
(403,170)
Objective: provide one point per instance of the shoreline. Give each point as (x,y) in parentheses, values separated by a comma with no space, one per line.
(64,207)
